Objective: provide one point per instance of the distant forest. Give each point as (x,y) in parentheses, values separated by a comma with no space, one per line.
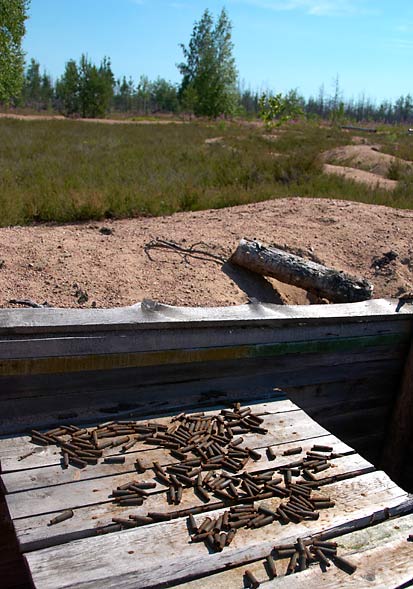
(87,90)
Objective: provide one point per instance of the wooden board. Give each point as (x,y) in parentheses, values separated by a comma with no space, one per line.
(128,559)
(33,532)
(377,551)
(12,448)
(71,554)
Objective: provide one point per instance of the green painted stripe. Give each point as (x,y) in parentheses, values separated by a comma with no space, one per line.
(64,364)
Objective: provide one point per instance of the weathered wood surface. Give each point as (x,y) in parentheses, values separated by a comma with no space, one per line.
(400,433)
(50,345)
(283,427)
(126,560)
(52,475)
(13,447)
(44,399)
(377,551)
(18,321)
(336,286)
(70,554)
(32,531)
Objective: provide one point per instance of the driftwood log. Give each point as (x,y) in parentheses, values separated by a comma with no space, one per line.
(331,284)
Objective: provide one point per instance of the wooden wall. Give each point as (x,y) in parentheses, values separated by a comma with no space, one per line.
(341,363)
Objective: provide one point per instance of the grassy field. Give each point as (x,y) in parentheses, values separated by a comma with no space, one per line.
(68,171)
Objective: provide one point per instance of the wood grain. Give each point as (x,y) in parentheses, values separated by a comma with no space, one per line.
(126,560)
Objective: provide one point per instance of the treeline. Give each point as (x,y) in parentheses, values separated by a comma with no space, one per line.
(87,90)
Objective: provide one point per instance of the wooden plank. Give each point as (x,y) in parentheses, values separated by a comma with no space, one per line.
(89,396)
(45,475)
(114,361)
(126,560)
(33,532)
(380,552)
(14,321)
(13,447)
(400,434)
(141,339)
(283,427)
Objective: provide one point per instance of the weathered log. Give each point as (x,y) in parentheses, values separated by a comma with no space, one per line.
(336,286)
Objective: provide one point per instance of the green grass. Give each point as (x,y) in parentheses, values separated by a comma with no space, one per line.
(71,170)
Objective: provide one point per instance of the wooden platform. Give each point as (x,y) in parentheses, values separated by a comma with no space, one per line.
(71,554)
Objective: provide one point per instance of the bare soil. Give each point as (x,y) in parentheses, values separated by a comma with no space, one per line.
(79,265)
(368,178)
(363,163)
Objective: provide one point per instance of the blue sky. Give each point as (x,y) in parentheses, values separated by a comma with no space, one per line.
(279,44)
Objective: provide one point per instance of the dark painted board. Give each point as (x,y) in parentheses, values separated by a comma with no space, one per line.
(94,398)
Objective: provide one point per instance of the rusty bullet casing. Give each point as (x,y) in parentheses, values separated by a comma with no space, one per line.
(125,523)
(139,466)
(103,445)
(320,448)
(77,462)
(127,501)
(272,571)
(254,454)
(141,519)
(293,563)
(321,467)
(114,460)
(265,521)
(206,525)
(172,494)
(201,537)
(285,552)
(344,564)
(159,515)
(120,441)
(322,504)
(267,511)
(305,513)
(282,515)
(321,557)
(67,514)
(192,524)
(291,451)
(252,580)
(230,536)
(218,523)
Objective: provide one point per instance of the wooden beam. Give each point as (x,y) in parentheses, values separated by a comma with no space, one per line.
(400,434)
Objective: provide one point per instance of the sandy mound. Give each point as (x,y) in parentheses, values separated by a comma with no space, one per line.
(105,264)
(363,157)
(373,180)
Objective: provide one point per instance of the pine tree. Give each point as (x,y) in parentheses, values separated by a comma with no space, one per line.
(67,89)
(32,84)
(209,79)
(13,14)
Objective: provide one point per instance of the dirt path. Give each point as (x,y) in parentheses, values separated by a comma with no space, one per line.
(157,121)
(58,263)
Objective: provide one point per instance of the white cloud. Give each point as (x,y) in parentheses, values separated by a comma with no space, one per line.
(315,7)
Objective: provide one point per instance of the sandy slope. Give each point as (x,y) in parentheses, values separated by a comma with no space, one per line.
(53,263)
